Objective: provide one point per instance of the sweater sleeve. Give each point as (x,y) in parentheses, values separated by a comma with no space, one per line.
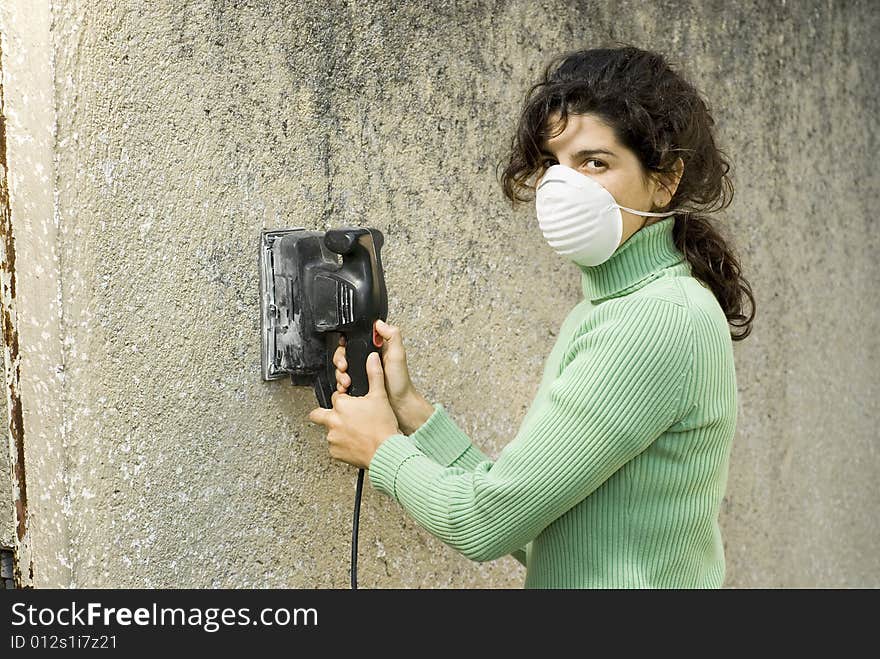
(619,388)
(444,442)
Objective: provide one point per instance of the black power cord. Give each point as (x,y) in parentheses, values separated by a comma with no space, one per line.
(354,529)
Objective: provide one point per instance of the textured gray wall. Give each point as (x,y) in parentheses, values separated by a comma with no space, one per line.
(182,129)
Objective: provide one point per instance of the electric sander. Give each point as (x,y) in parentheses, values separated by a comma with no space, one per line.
(314,287)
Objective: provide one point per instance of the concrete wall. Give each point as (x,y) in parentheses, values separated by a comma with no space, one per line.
(149,143)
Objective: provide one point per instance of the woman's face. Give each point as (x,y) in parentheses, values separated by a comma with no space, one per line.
(588,145)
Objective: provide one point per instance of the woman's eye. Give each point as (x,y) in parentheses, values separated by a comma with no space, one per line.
(599,163)
(549,162)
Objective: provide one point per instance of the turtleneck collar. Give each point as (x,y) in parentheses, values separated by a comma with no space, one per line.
(636,262)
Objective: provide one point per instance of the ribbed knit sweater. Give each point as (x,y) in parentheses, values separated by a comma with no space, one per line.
(616,475)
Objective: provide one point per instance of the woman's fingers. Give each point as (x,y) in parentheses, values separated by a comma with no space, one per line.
(342,379)
(392,344)
(385,330)
(339,358)
(342,382)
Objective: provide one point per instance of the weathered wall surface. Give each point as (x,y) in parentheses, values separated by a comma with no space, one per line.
(180,130)
(7,512)
(32,308)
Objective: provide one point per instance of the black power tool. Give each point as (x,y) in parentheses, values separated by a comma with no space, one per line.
(314,287)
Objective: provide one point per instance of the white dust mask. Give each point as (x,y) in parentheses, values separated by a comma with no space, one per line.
(579,218)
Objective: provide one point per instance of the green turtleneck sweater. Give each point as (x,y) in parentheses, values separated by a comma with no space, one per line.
(617,472)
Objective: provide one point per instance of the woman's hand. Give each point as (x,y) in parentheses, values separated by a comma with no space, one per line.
(357,425)
(410,407)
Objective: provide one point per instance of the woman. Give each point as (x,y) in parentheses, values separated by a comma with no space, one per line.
(617,473)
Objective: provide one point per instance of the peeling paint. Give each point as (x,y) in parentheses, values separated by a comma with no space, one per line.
(12,360)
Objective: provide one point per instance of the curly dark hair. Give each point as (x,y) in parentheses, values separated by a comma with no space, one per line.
(660,116)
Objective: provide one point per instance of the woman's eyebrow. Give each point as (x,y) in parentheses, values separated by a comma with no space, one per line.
(584,153)
(592,152)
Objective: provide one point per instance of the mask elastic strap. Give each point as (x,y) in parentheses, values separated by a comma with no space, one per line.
(647,213)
